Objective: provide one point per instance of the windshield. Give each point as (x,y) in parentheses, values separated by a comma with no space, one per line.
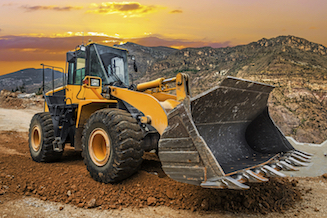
(109,63)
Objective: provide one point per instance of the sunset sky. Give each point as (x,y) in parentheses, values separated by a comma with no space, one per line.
(42,31)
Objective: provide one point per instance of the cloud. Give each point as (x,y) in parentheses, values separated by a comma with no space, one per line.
(31,48)
(176,12)
(131,9)
(8,4)
(54,8)
(178,43)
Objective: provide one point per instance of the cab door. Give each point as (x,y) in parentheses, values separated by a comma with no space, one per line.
(76,74)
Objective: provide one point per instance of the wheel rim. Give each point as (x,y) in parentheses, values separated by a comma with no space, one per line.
(99,147)
(36,138)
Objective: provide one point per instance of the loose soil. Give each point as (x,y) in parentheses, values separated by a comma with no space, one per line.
(69,182)
(9,100)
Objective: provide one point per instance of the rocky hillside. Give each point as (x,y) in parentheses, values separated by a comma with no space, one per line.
(295,66)
(145,56)
(29,79)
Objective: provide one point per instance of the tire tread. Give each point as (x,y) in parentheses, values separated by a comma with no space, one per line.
(126,136)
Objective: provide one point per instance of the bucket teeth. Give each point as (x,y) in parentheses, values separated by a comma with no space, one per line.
(294,162)
(253,177)
(225,182)
(214,179)
(300,158)
(305,153)
(229,182)
(285,166)
(271,172)
(306,156)
(215,184)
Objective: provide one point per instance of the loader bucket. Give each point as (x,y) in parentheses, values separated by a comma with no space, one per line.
(224,137)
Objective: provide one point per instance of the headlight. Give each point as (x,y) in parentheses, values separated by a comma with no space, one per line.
(95,82)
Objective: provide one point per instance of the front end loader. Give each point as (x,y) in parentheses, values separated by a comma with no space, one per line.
(221,138)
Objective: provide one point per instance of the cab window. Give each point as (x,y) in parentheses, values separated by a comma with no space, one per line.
(76,72)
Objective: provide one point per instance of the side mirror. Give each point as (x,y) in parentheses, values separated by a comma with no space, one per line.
(135,66)
(134,62)
(70,57)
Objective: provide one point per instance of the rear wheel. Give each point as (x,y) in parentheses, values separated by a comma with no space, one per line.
(112,145)
(41,136)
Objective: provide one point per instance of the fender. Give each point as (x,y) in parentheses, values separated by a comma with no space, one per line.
(146,103)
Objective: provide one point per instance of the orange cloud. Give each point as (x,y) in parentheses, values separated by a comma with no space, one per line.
(17,52)
(176,12)
(130,9)
(158,40)
(54,8)
(8,4)
(30,48)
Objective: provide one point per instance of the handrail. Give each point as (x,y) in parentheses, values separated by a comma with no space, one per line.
(53,67)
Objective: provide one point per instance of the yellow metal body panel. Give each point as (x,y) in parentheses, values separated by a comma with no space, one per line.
(182,86)
(159,88)
(162,96)
(46,109)
(89,106)
(146,103)
(76,93)
(88,98)
(56,90)
(169,104)
(149,85)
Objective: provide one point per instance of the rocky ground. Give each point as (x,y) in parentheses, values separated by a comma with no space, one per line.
(68,183)
(65,188)
(13,100)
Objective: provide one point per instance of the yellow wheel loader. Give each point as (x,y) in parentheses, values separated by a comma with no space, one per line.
(221,138)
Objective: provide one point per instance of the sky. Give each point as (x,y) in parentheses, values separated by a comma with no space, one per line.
(42,31)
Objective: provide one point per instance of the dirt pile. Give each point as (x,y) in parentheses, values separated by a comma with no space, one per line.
(69,182)
(10,100)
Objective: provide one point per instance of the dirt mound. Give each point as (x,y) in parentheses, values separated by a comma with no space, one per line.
(9,100)
(68,181)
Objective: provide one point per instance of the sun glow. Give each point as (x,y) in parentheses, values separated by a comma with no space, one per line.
(125,9)
(45,30)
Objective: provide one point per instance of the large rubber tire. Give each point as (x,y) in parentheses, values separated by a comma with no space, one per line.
(112,145)
(41,136)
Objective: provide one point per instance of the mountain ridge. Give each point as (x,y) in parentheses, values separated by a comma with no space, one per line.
(30,78)
(295,66)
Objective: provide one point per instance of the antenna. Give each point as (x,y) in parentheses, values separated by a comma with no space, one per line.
(83,38)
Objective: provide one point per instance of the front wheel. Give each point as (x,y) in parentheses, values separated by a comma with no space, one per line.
(112,145)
